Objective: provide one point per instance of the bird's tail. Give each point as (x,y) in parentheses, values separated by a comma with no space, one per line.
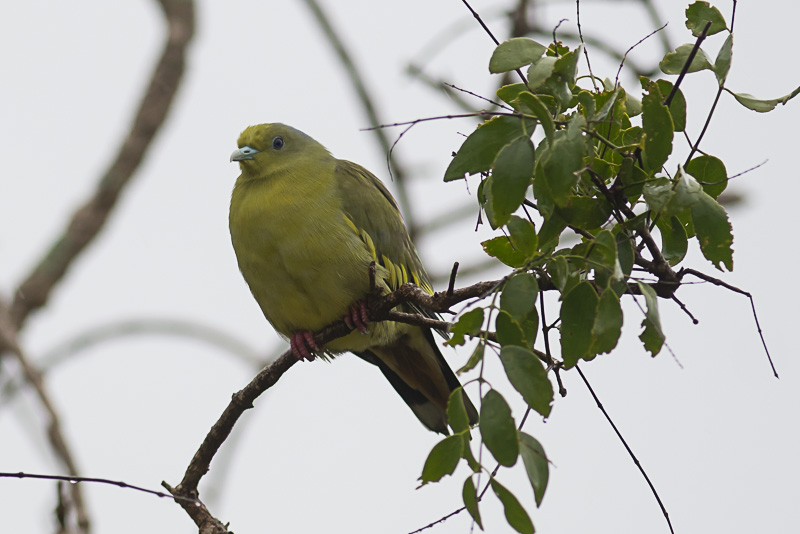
(415,367)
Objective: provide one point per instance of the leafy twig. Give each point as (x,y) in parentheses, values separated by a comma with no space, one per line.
(491,35)
(685,70)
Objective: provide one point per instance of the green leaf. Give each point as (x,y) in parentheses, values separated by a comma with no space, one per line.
(475,359)
(564,160)
(443,459)
(457,412)
(607,324)
(657,193)
(501,248)
(498,429)
(509,331)
(578,312)
(700,13)
(515,53)
(512,174)
(585,212)
(558,269)
(467,454)
(478,152)
(603,255)
(536,464)
(633,178)
(551,231)
(674,62)
(723,62)
(658,129)
(586,103)
(532,105)
(470,496)
(519,295)
(710,172)
(529,377)
(674,243)
(606,101)
(677,108)
(686,192)
(540,71)
(523,235)
(652,336)
(633,105)
(713,231)
(469,324)
(565,71)
(625,253)
(516,515)
(762,106)
(510,93)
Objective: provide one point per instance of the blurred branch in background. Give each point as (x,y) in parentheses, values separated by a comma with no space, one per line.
(202,333)
(367,102)
(87,222)
(8,339)
(89,219)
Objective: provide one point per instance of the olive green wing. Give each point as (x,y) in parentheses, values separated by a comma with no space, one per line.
(371,212)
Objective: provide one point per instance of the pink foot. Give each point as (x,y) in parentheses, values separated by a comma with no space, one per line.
(303,345)
(356,317)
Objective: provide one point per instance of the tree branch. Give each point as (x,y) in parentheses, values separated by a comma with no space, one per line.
(89,219)
(8,339)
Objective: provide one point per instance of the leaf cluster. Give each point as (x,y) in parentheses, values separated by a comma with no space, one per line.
(588,201)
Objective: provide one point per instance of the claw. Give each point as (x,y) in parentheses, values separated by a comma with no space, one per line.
(303,345)
(356,317)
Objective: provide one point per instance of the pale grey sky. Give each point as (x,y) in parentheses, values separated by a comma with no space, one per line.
(331,447)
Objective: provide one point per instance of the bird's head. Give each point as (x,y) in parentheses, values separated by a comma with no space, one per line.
(265,149)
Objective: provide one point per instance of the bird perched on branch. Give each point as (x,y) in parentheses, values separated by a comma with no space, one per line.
(305,227)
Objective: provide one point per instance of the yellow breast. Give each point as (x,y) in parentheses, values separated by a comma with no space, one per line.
(304,264)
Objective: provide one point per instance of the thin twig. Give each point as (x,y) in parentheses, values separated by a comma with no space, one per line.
(415,71)
(745,171)
(89,219)
(491,35)
(627,448)
(94,480)
(585,50)
(685,309)
(451,286)
(628,51)
(718,282)
(480,97)
(689,60)
(555,41)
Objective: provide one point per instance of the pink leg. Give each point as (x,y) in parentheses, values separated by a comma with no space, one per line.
(356,317)
(303,345)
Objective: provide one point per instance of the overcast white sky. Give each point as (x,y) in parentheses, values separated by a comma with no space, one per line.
(331,447)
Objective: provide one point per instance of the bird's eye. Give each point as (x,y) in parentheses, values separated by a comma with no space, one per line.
(277,143)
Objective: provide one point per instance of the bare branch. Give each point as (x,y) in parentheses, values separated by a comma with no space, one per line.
(92,480)
(718,282)
(627,448)
(8,339)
